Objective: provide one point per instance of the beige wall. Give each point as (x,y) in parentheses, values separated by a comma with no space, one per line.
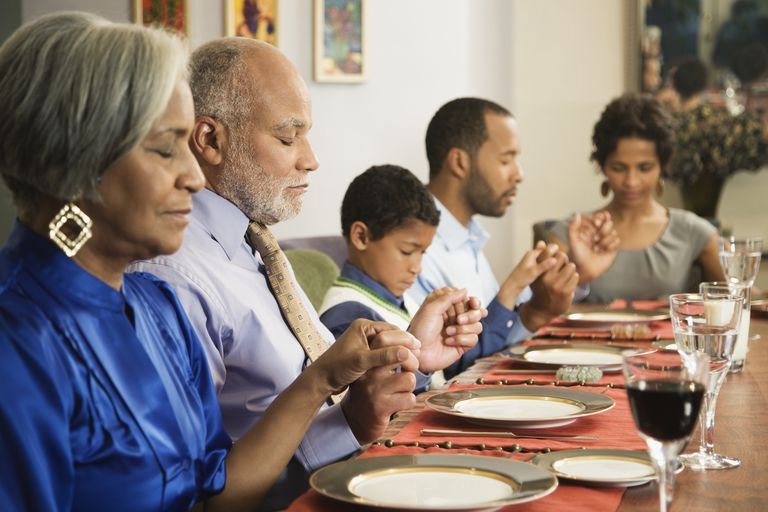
(422,54)
(555,63)
(568,65)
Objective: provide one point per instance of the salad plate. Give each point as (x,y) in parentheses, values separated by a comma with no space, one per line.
(612,468)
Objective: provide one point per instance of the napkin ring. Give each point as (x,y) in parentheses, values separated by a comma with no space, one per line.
(70,244)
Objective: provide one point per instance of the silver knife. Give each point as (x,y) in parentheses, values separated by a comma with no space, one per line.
(478,433)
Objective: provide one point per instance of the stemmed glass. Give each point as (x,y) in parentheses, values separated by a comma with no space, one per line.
(740,259)
(665,394)
(708,324)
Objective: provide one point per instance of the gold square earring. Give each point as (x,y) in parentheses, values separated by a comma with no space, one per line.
(70,212)
(605,189)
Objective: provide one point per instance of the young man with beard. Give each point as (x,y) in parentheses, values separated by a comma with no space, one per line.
(473,148)
(259,330)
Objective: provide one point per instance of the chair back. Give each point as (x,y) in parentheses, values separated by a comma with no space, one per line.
(541,230)
(315,271)
(334,246)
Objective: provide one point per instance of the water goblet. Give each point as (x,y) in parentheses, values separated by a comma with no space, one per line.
(707,324)
(665,392)
(740,259)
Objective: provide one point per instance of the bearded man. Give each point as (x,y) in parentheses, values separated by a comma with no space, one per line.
(252,120)
(473,147)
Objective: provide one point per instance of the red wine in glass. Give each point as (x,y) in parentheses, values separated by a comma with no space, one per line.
(665,410)
(665,394)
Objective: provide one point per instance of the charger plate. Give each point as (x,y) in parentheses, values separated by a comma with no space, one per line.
(436,482)
(605,357)
(602,317)
(612,468)
(520,407)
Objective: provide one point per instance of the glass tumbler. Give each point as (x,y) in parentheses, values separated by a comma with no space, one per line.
(708,324)
(740,259)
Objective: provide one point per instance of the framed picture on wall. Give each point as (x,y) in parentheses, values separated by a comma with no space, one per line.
(170,14)
(340,41)
(256,19)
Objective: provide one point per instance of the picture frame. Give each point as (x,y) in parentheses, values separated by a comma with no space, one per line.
(340,47)
(255,19)
(169,14)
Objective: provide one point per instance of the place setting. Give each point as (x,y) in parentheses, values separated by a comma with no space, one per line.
(562,408)
(602,317)
(550,425)
(435,482)
(552,356)
(530,417)
(519,407)
(621,320)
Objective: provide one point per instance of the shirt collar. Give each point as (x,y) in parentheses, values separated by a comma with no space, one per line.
(355,274)
(221,219)
(454,234)
(48,264)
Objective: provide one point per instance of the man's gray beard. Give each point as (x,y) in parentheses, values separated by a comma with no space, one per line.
(253,191)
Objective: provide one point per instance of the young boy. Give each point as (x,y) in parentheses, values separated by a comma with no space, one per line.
(388,219)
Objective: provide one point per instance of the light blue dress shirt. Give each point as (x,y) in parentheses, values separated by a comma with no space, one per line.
(456,259)
(252,352)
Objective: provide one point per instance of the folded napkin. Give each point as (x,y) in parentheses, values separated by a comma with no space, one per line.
(496,375)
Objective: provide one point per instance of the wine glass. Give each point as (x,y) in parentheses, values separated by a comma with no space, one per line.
(707,324)
(665,392)
(740,259)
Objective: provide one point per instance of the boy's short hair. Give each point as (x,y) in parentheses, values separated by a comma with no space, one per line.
(386,197)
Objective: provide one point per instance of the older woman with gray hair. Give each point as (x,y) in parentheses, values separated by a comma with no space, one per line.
(107,400)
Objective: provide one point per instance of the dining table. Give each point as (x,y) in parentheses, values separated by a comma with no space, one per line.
(741,430)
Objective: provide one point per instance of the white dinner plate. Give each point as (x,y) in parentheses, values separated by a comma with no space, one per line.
(435,482)
(605,357)
(613,468)
(601,317)
(520,407)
